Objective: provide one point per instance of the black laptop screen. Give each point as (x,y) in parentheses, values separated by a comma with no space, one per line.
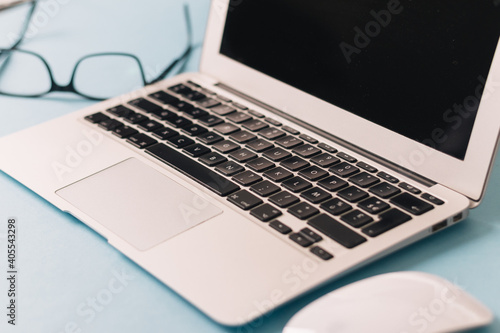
(415,67)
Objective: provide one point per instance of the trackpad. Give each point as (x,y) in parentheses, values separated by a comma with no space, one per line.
(138,203)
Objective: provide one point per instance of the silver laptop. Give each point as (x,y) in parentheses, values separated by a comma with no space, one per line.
(317,137)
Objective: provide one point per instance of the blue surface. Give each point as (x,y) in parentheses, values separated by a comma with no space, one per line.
(64,264)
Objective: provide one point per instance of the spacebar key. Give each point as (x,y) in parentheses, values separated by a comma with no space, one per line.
(336,231)
(193,169)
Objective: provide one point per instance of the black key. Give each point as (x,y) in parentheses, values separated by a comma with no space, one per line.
(294,163)
(357,218)
(352,194)
(145,105)
(208,102)
(135,118)
(255,113)
(210,121)
(333,183)
(119,110)
(432,199)
(308,138)
(180,89)
(388,220)
(384,190)
(180,141)
(254,125)
(207,91)
(325,160)
(140,140)
(344,169)
(163,97)
(223,109)
(247,178)
(276,154)
(229,168)
(96,117)
(313,173)
(196,150)
(110,124)
(194,96)
(180,122)
(212,159)
(306,151)
(210,138)
(411,204)
(271,133)
(164,114)
(194,84)
(364,179)
(289,142)
(301,240)
(124,132)
(273,122)
(303,210)
(373,205)
(366,167)
(244,200)
(296,184)
(242,136)
(260,164)
(388,177)
(238,117)
(226,128)
(182,106)
(335,206)
(321,253)
(243,155)
(259,145)
(327,148)
(150,125)
(291,130)
(165,133)
(194,130)
(347,157)
(280,227)
(311,235)
(196,113)
(265,212)
(315,195)
(265,188)
(278,174)
(283,199)
(225,146)
(410,188)
(336,231)
(240,106)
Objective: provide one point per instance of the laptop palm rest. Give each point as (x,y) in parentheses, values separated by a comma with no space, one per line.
(138,203)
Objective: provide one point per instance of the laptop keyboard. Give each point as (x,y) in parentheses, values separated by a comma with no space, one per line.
(266,168)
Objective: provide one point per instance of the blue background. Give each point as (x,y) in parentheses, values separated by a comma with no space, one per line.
(63,263)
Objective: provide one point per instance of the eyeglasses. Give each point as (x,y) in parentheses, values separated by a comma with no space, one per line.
(96,76)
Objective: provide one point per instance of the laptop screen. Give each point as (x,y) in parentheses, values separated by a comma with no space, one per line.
(417,68)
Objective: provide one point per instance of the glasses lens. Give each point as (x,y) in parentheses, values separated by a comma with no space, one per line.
(106,76)
(23,74)
(12,21)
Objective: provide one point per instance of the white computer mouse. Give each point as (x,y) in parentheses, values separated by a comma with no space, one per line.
(402,302)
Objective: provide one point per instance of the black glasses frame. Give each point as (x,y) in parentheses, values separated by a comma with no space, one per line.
(70,87)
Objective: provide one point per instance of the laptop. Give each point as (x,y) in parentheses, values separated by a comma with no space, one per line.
(317,137)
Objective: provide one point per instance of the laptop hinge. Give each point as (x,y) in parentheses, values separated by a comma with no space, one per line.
(410,174)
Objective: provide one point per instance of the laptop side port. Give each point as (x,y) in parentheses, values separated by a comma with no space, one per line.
(457,217)
(438,226)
